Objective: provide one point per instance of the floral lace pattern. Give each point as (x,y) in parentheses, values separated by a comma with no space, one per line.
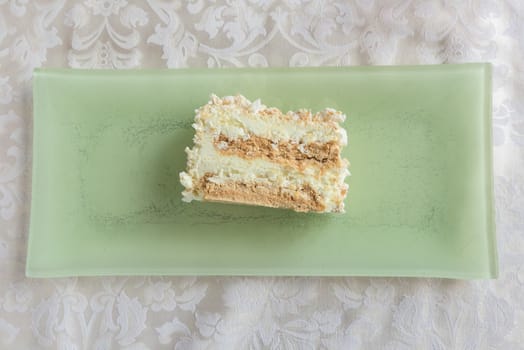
(259,313)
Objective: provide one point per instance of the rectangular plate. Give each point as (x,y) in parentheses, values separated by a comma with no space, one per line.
(108,147)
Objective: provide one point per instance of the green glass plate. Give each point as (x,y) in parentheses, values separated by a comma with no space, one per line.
(108,147)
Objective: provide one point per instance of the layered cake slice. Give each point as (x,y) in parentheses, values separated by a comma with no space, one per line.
(245,152)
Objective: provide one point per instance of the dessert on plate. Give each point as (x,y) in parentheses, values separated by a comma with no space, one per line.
(247,153)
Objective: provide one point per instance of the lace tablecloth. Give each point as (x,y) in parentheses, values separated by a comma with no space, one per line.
(260,313)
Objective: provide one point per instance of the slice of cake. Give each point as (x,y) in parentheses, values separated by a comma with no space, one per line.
(245,152)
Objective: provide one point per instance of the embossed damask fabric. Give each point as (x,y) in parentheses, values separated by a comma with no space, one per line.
(259,313)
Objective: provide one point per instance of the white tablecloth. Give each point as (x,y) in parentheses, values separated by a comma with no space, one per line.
(260,313)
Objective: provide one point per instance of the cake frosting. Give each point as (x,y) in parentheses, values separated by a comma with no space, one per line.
(245,152)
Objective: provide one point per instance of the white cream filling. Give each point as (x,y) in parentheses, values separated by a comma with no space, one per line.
(235,123)
(203,158)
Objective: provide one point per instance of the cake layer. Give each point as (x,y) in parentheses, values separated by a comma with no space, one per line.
(302,199)
(297,155)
